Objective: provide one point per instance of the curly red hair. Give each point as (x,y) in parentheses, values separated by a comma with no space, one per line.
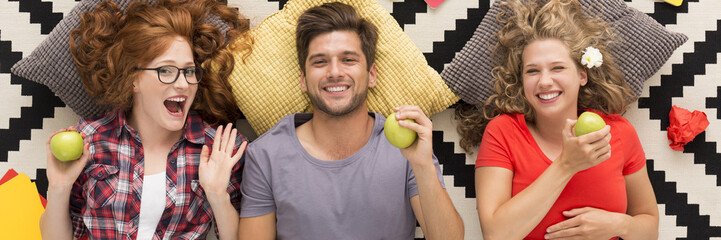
(111,43)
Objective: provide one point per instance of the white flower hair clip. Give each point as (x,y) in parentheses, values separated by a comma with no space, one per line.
(592,57)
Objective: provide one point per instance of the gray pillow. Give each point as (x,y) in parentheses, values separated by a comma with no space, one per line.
(643,47)
(52,65)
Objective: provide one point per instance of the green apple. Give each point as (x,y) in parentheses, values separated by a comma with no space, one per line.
(588,122)
(67,146)
(399,136)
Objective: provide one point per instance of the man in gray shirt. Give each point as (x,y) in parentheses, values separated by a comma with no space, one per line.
(332,174)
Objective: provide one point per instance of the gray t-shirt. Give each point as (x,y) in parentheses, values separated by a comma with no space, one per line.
(365,196)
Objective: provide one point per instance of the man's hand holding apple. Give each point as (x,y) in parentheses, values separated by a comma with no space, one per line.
(420,152)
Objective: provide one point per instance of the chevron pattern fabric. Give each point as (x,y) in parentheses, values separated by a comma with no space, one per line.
(687,184)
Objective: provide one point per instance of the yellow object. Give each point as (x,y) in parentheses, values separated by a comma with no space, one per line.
(20,209)
(266,85)
(675,2)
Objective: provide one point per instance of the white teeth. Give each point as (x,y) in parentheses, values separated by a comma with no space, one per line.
(336,89)
(549,96)
(177,99)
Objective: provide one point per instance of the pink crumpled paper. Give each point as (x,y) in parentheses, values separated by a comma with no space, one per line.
(684,126)
(434,3)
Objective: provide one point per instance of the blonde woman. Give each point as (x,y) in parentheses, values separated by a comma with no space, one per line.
(535,179)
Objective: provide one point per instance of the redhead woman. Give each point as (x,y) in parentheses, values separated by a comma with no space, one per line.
(154,167)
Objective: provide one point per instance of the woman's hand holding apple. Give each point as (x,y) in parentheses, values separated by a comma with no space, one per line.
(64,173)
(583,152)
(67,145)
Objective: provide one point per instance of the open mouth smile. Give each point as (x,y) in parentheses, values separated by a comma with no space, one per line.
(548,97)
(175,105)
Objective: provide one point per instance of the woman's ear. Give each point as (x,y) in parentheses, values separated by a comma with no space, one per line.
(583,75)
(136,82)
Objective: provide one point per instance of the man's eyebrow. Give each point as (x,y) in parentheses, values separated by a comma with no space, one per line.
(316,55)
(354,53)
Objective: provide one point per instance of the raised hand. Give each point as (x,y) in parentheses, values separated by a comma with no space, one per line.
(420,152)
(216,166)
(63,174)
(587,223)
(580,153)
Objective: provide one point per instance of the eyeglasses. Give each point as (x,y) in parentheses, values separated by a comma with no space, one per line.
(169,74)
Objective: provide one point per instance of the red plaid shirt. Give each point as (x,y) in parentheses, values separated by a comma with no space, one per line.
(105,199)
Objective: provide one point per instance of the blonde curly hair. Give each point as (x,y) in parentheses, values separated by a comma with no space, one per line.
(526,21)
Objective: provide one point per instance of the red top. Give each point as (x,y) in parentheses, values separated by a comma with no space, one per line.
(508,143)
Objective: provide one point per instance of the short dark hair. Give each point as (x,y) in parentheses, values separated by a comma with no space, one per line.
(331,17)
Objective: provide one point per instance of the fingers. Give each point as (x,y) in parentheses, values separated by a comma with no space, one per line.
(602,147)
(578,226)
(226,138)
(230,143)
(559,227)
(218,138)
(577,211)
(242,147)
(568,128)
(204,154)
(565,234)
(423,123)
(239,154)
(602,153)
(224,144)
(49,154)
(600,135)
(596,144)
(86,153)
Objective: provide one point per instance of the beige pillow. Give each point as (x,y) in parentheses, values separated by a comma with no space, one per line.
(266,84)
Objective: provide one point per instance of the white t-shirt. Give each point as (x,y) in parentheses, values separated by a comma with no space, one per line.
(152,205)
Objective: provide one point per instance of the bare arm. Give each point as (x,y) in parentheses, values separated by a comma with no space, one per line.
(226,217)
(257,228)
(432,206)
(503,217)
(642,207)
(436,214)
(55,222)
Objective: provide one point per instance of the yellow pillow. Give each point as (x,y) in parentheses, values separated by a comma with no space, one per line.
(266,84)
